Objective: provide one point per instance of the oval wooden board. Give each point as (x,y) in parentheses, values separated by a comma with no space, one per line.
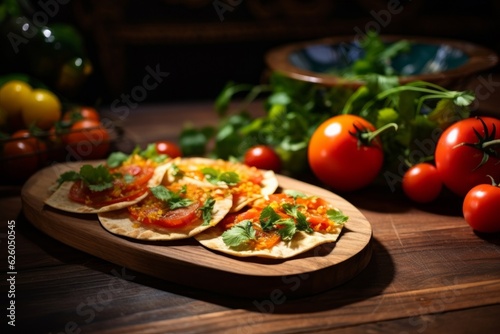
(187,262)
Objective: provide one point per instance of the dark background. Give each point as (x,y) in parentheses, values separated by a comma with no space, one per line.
(203,50)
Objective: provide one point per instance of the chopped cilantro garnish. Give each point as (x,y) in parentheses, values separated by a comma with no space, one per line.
(294,193)
(151,153)
(176,171)
(301,219)
(174,200)
(268,217)
(214,176)
(115,159)
(206,210)
(287,228)
(96,178)
(337,216)
(239,235)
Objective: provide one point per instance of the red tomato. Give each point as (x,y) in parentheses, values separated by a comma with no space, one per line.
(38,145)
(80,113)
(262,157)
(21,159)
(422,183)
(460,152)
(168,148)
(481,208)
(87,139)
(122,190)
(339,158)
(152,211)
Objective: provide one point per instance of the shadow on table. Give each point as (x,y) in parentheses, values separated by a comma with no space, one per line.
(379,198)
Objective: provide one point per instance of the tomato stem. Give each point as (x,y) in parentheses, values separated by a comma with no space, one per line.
(491,142)
(493,183)
(369,136)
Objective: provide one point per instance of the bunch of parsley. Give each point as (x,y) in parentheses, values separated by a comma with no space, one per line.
(294,109)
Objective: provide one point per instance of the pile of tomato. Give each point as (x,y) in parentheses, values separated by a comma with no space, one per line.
(37,130)
(345,153)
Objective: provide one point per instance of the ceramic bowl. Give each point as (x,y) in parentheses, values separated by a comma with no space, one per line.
(446,62)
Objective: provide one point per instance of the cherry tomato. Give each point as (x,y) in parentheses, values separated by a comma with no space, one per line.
(339,158)
(262,157)
(422,183)
(87,139)
(41,108)
(168,148)
(39,146)
(481,208)
(21,159)
(12,95)
(80,113)
(461,150)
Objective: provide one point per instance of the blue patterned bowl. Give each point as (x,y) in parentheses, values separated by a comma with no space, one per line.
(449,63)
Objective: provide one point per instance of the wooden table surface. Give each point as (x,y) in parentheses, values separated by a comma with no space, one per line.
(429,272)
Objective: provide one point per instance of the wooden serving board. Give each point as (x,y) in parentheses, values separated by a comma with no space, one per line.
(187,262)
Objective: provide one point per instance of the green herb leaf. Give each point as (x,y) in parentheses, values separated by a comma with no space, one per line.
(214,176)
(239,235)
(68,176)
(174,200)
(300,219)
(294,193)
(151,153)
(206,210)
(286,229)
(337,216)
(268,217)
(96,178)
(115,159)
(230,178)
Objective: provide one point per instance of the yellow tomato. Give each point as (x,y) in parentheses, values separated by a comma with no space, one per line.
(41,108)
(12,95)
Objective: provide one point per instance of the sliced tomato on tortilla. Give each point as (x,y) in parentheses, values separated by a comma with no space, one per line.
(130,183)
(151,211)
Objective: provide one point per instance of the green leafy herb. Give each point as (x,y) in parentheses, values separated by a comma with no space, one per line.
(115,159)
(215,176)
(206,210)
(268,217)
(239,235)
(151,153)
(96,178)
(176,171)
(300,218)
(287,229)
(294,193)
(293,110)
(174,200)
(337,216)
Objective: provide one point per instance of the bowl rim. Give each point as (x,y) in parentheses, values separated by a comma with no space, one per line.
(480,59)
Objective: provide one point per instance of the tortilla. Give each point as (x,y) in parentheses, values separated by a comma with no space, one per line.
(120,223)
(59,199)
(190,166)
(300,242)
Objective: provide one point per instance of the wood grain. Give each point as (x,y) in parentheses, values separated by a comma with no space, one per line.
(186,261)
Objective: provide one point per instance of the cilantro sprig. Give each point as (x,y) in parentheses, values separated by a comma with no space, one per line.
(96,178)
(116,159)
(207,210)
(215,176)
(174,200)
(239,235)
